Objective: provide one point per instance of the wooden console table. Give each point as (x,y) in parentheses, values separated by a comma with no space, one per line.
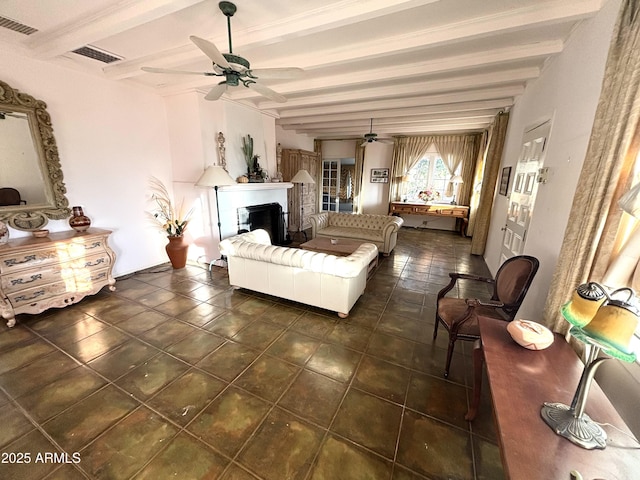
(435,210)
(521,381)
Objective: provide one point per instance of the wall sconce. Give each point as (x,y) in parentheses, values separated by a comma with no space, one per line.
(604,324)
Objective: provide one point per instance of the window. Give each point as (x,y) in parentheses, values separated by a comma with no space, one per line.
(429,173)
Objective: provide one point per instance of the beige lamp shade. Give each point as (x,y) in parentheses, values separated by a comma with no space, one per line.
(302,177)
(457,179)
(630,201)
(215,176)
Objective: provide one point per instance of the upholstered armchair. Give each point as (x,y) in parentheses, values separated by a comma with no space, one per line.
(459,316)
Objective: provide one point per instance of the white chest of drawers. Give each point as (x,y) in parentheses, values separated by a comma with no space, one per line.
(55,271)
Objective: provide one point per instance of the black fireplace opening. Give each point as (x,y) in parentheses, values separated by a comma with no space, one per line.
(268,216)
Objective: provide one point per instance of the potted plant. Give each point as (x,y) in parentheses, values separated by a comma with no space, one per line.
(171,220)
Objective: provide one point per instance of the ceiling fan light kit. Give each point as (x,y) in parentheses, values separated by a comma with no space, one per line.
(235,69)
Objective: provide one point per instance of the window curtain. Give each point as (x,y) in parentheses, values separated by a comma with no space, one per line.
(407,151)
(357,178)
(492,156)
(317,147)
(470,159)
(455,150)
(606,173)
(476,181)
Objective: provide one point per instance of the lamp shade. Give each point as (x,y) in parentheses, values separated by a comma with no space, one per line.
(302,177)
(630,201)
(457,179)
(584,304)
(215,176)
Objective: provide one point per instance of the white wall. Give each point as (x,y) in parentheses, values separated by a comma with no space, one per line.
(194,124)
(290,139)
(111,137)
(375,196)
(567,92)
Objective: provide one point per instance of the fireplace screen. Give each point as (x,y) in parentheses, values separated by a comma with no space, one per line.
(267,216)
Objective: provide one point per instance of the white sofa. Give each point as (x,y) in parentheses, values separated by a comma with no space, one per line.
(381,230)
(325,281)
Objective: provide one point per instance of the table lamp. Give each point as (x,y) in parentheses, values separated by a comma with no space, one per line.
(456,180)
(605,324)
(302,177)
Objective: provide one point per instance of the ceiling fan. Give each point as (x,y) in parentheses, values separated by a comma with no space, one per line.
(234,68)
(373,137)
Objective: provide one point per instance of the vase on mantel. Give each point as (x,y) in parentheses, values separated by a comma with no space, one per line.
(79,221)
(177,251)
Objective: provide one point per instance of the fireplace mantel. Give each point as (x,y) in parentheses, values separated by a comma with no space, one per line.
(244,187)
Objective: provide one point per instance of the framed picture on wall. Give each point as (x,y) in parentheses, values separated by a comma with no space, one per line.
(504,180)
(379,175)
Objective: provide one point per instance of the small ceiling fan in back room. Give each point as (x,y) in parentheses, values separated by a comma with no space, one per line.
(373,137)
(235,69)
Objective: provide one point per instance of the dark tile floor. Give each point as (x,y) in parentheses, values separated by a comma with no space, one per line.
(176,375)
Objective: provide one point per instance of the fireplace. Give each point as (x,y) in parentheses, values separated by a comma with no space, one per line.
(267,216)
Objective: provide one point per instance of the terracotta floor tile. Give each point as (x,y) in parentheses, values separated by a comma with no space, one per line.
(123,359)
(369,421)
(60,394)
(76,427)
(185,457)
(283,447)
(434,449)
(294,347)
(229,420)
(438,398)
(342,459)
(314,396)
(38,373)
(195,346)
(127,447)
(14,424)
(267,377)
(382,378)
(23,353)
(334,361)
(182,400)
(228,361)
(151,376)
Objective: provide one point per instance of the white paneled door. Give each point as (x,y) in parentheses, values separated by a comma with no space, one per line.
(529,173)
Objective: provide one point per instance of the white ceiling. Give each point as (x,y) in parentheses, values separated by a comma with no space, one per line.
(413,66)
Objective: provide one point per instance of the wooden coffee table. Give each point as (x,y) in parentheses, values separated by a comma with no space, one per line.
(342,248)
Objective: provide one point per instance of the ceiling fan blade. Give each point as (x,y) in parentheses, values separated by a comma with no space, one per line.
(210,50)
(364,144)
(267,92)
(285,73)
(166,70)
(216,92)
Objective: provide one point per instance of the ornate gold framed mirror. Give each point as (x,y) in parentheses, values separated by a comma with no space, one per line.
(29,163)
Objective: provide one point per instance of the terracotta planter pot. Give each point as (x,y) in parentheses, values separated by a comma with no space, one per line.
(177,251)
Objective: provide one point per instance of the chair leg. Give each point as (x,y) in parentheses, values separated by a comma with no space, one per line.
(435,328)
(452,343)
